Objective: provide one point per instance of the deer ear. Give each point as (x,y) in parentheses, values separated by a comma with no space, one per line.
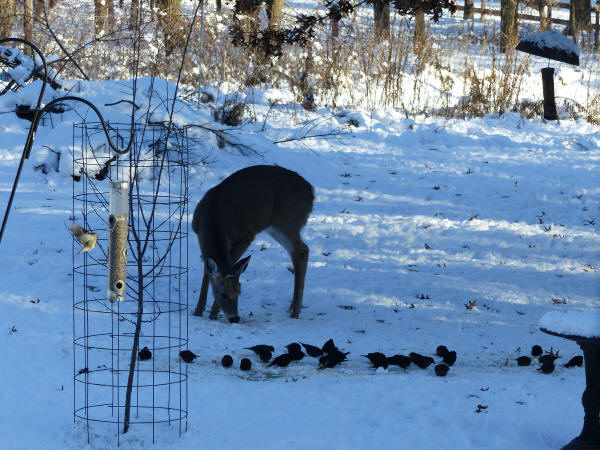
(212,268)
(241,265)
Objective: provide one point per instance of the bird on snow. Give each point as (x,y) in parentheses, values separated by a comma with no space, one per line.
(536,351)
(332,359)
(378,359)
(549,358)
(450,358)
(575,361)
(187,355)
(422,361)
(312,350)
(281,361)
(294,347)
(261,348)
(399,360)
(441,351)
(245,364)
(523,360)
(329,346)
(144,354)
(441,370)
(547,367)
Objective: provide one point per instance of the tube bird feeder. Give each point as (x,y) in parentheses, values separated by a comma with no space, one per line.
(117,253)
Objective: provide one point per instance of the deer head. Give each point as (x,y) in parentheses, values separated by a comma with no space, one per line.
(226,286)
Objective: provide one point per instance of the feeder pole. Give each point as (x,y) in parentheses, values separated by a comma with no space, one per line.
(548,87)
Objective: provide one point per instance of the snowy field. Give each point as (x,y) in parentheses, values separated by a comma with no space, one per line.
(413,220)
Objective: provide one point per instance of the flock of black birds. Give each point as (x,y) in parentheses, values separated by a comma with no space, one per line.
(547,360)
(330,356)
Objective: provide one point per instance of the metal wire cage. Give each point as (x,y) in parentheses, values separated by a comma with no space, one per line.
(106,343)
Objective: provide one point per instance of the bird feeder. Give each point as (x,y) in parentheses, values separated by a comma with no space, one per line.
(552,45)
(586,333)
(117,253)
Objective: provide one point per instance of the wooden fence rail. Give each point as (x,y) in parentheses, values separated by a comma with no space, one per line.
(536,18)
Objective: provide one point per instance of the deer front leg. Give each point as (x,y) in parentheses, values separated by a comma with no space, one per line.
(214,311)
(203,295)
(300,262)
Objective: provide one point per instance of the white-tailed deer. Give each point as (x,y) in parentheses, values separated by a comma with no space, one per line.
(231,214)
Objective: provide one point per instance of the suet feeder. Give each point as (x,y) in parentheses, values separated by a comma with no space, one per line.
(555,46)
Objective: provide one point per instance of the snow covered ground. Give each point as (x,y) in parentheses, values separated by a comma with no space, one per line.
(414,220)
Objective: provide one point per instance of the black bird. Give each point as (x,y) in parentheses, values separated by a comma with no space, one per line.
(536,351)
(547,367)
(187,355)
(329,347)
(441,370)
(245,364)
(450,358)
(258,349)
(144,354)
(422,361)
(297,356)
(399,360)
(294,347)
(227,361)
(575,361)
(282,360)
(523,360)
(441,351)
(265,356)
(332,359)
(312,350)
(378,360)
(548,358)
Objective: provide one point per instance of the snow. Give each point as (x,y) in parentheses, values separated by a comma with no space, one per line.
(553,39)
(574,323)
(414,220)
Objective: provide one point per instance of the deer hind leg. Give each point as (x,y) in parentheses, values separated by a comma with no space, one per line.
(298,251)
(203,294)
(300,261)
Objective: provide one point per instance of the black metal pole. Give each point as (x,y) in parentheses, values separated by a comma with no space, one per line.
(32,128)
(590,434)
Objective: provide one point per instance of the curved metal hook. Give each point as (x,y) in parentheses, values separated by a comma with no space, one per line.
(36,120)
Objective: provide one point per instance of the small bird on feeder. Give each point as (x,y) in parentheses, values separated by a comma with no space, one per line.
(84,237)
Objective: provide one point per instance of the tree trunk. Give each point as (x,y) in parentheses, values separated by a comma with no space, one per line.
(172,25)
(508,24)
(469,10)
(274,9)
(38,10)
(133,13)
(381,15)
(109,27)
(579,17)
(27,24)
(100,14)
(419,27)
(8,8)
(544,12)
(483,9)
(249,9)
